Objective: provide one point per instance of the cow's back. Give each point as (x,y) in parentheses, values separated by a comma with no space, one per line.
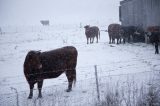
(155,37)
(92,31)
(114,30)
(59,59)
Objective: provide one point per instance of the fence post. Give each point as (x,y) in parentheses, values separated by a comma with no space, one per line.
(16,95)
(97,85)
(0,31)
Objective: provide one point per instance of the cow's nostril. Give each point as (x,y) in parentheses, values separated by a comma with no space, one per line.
(40,66)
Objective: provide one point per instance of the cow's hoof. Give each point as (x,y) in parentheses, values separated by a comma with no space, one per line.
(68,90)
(30,97)
(39,96)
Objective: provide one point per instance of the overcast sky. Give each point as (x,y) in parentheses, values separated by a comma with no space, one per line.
(30,12)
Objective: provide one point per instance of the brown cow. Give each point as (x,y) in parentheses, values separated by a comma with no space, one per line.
(92,32)
(114,32)
(51,64)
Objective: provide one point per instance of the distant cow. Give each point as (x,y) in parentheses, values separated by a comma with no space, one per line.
(128,32)
(92,32)
(51,64)
(150,31)
(133,33)
(139,34)
(153,32)
(45,22)
(155,36)
(114,32)
(153,29)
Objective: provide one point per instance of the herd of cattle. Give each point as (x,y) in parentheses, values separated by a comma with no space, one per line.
(51,64)
(125,33)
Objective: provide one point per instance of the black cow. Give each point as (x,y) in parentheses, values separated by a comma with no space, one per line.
(139,35)
(51,64)
(153,33)
(154,38)
(128,32)
(92,32)
(133,33)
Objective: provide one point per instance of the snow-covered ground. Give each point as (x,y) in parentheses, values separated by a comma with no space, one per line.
(121,64)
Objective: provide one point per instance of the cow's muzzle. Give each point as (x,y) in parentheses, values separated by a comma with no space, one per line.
(40,66)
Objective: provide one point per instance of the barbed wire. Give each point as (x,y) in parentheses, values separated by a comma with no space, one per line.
(63,70)
(87,66)
(112,75)
(19,83)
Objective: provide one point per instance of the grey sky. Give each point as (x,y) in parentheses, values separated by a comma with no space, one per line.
(22,12)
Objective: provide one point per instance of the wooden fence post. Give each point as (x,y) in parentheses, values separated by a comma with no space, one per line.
(97,85)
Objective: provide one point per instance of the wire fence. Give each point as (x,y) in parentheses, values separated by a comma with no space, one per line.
(88,66)
(109,69)
(92,84)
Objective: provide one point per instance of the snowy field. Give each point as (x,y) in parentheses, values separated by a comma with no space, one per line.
(123,67)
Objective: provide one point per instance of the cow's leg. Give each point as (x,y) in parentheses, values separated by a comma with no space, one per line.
(120,40)
(117,40)
(113,40)
(134,37)
(71,75)
(92,39)
(130,38)
(87,40)
(156,48)
(124,40)
(31,85)
(109,39)
(40,84)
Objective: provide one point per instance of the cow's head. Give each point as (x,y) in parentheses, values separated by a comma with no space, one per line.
(87,26)
(34,60)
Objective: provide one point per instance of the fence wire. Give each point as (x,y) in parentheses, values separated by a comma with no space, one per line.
(55,96)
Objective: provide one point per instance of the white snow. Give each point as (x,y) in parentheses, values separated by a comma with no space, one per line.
(123,63)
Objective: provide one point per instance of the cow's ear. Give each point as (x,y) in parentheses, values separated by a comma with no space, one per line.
(38,52)
(30,54)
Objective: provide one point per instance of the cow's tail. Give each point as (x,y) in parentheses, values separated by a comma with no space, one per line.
(99,33)
(74,78)
(74,72)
